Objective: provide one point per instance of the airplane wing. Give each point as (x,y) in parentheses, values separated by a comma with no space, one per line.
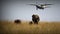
(32,4)
(48,4)
(44,4)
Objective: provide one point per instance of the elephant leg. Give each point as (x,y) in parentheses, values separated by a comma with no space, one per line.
(36,22)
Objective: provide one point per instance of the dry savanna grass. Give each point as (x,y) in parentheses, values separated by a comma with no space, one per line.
(9,27)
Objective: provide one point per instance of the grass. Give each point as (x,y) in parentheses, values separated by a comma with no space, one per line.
(9,27)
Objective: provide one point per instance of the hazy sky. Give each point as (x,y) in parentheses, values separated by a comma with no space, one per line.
(19,9)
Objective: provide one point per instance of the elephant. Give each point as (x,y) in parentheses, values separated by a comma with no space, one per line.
(35,18)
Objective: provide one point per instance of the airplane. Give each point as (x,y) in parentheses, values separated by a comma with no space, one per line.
(40,6)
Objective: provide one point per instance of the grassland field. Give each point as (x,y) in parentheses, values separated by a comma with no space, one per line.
(9,27)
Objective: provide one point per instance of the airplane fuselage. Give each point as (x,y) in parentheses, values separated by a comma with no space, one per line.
(39,7)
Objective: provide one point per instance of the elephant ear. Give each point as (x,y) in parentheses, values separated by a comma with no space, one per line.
(33,15)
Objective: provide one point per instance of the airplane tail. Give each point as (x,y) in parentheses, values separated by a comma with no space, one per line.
(36,8)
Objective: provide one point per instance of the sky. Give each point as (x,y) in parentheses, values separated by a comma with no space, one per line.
(19,9)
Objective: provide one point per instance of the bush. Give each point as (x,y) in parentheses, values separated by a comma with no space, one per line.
(30,22)
(17,21)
